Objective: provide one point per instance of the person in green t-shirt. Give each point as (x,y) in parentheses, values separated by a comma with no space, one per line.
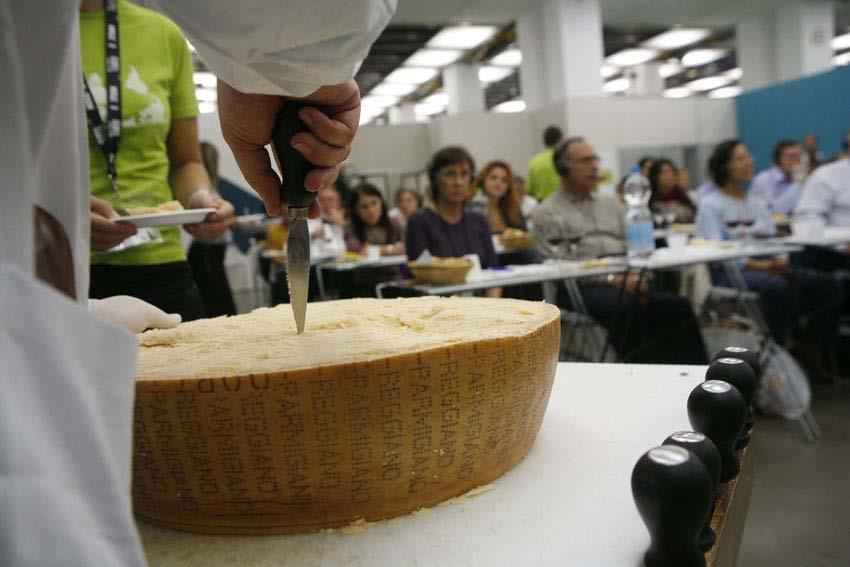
(158,158)
(542,178)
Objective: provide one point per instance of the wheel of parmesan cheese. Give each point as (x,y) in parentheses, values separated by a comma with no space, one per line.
(380,408)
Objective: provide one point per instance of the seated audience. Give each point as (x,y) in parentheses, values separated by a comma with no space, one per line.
(826,192)
(704,189)
(498,202)
(669,199)
(407,202)
(369,223)
(812,156)
(449,229)
(645,164)
(527,203)
(778,186)
(786,294)
(645,325)
(327,233)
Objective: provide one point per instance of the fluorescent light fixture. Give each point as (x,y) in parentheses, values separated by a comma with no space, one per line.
(392,89)
(677,92)
(676,38)
(462,37)
(411,75)
(709,83)
(632,56)
(440,98)
(509,106)
(493,74)
(608,71)
(369,113)
(840,42)
(433,58)
(425,109)
(204,79)
(726,92)
(191,47)
(670,68)
(378,101)
(734,74)
(511,57)
(842,59)
(206,95)
(697,57)
(206,107)
(616,86)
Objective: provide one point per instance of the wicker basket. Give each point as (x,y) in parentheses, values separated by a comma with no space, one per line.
(517,241)
(436,274)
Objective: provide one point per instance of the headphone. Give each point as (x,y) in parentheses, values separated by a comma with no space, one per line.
(562,166)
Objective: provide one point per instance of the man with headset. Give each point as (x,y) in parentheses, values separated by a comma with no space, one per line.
(646,325)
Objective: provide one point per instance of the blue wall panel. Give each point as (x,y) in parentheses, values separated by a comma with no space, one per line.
(819,104)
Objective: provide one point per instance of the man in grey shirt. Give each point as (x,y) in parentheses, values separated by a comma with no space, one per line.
(646,325)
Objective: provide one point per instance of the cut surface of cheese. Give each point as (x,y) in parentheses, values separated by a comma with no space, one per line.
(381,408)
(337,332)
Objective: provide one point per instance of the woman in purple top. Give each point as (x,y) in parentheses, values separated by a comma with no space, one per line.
(448,229)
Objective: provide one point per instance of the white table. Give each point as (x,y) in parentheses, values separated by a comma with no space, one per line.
(516,275)
(568,503)
(832,236)
(668,258)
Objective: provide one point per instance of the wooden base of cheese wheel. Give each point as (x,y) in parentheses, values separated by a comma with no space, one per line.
(317,448)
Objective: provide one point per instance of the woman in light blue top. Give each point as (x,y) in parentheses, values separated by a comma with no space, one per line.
(786,294)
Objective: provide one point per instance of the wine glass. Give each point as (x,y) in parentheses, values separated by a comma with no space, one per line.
(573,238)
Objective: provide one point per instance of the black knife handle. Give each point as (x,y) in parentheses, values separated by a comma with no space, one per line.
(293,166)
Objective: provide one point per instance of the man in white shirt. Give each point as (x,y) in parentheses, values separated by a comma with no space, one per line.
(827,193)
(778,185)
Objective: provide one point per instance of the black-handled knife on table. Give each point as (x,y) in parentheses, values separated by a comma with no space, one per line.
(294,168)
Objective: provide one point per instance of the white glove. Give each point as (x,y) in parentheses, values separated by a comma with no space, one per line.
(133,313)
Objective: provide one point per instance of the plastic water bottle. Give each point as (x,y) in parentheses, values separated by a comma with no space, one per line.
(640,239)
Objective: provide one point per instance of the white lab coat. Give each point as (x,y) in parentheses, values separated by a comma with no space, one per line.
(67,376)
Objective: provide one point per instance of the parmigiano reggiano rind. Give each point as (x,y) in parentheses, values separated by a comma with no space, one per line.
(398,406)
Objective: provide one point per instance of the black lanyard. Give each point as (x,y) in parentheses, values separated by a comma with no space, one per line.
(107,138)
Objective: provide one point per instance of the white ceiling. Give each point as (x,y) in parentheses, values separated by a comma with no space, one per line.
(716,13)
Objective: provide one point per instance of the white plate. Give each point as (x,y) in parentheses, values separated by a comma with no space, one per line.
(170,218)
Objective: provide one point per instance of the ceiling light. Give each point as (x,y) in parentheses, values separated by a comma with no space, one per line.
(843,59)
(697,57)
(206,107)
(608,71)
(393,89)
(677,92)
(709,83)
(204,79)
(632,56)
(734,74)
(411,75)
(433,58)
(670,68)
(511,57)
(191,47)
(616,86)
(206,95)
(378,101)
(425,109)
(440,98)
(726,92)
(840,42)
(509,106)
(462,37)
(676,38)
(493,74)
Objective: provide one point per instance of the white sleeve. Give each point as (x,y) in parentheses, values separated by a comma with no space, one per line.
(815,197)
(286,48)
